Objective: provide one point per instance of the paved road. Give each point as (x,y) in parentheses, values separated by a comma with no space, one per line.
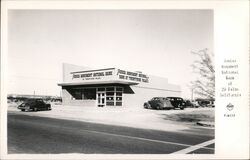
(32,134)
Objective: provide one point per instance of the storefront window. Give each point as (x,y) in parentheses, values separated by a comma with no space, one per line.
(109,98)
(78,94)
(118,93)
(101,89)
(110,103)
(89,94)
(118,104)
(118,98)
(110,89)
(118,89)
(110,93)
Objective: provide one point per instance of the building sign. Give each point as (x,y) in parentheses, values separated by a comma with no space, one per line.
(92,75)
(102,74)
(132,76)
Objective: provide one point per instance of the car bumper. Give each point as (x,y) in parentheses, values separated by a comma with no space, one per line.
(24,108)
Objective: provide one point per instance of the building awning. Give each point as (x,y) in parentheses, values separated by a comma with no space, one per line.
(97,82)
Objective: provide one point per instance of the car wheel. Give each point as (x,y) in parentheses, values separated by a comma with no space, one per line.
(146,106)
(182,108)
(22,110)
(158,107)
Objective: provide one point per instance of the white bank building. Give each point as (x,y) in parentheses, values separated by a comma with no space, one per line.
(105,87)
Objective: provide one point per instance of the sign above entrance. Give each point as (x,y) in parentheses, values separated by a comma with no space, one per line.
(97,74)
(109,74)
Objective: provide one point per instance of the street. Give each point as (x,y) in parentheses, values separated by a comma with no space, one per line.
(41,135)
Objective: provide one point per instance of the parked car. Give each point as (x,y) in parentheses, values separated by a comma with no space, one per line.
(196,104)
(158,103)
(206,102)
(191,104)
(34,105)
(177,102)
(211,105)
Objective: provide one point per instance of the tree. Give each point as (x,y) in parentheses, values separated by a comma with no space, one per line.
(204,85)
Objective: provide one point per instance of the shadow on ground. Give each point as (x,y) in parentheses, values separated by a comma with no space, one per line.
(194,116)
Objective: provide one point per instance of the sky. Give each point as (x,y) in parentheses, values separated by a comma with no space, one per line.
(156,42)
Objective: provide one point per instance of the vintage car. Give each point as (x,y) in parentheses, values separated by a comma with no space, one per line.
(158,103)
(177,102)
(34,105)
(191,104)
(205,102)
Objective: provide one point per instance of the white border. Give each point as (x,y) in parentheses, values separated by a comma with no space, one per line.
(231,40)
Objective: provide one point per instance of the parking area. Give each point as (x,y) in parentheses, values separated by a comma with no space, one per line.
(165,120)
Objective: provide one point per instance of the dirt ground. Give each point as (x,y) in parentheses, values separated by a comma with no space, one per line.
(193,116)
(170,120)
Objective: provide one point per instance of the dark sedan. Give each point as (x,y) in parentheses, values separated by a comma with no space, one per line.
(177,102)
(158,103)
(191,104)
(34,105)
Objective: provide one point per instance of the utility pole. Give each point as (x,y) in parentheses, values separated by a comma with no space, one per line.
(192,95)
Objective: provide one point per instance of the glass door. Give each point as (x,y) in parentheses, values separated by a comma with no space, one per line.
(101,99)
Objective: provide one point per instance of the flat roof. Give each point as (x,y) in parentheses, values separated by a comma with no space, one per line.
(92,70)
(97,82)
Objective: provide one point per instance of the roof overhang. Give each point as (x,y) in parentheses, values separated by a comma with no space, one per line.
(97,83)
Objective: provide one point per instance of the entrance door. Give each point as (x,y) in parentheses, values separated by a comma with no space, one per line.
(101,99)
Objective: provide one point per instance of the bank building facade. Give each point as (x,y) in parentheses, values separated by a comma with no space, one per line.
(83,86)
